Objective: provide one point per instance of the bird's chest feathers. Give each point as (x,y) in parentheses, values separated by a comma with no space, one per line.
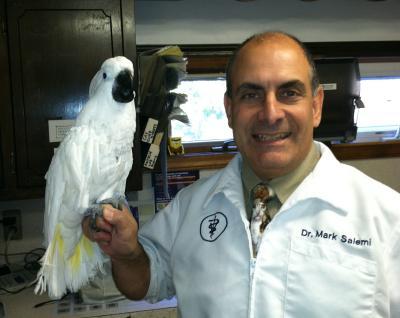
(112,150)
(110,170)
(113,157)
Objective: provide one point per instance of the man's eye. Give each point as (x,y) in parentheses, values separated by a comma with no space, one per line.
(290,96)
(290,93)
(250,96)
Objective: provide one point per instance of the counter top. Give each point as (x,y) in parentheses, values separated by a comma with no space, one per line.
(23,305)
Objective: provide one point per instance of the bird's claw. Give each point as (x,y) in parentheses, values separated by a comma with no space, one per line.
(117,202)
(93,212)
(96,210)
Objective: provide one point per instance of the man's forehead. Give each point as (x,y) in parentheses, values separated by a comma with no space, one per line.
(284,58)
(271,46)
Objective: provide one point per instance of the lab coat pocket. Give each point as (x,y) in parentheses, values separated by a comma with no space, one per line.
(323,281)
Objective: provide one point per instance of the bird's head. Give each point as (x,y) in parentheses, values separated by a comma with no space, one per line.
(115,75)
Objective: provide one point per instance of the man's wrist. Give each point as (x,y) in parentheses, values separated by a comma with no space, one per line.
(136,254)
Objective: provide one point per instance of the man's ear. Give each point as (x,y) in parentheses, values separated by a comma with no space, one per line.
(318,100)
(228,109)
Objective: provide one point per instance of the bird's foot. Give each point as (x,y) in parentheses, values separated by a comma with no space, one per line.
(96,210)
(118,201)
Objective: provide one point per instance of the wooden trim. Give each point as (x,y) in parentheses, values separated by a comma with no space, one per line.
(370,150)
(325,49)
(359,151)
(199,161)
(206,64)
(204,59)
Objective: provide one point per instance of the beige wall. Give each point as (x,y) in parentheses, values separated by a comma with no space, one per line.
(386,170)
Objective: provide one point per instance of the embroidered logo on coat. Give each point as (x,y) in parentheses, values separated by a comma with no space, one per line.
(213,226)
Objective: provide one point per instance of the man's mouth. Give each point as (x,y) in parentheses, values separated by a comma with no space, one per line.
(271,137)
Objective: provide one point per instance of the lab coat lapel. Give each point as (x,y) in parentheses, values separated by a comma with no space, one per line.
(230,184)
(324,184)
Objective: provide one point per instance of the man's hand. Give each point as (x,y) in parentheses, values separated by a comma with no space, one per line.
(116,232)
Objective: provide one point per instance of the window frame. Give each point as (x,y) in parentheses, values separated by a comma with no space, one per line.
(212,59)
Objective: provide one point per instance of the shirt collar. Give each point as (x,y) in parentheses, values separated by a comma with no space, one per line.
(285,185)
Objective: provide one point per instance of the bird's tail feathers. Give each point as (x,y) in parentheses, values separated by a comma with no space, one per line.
(84,264)
(50,275)
(57,275)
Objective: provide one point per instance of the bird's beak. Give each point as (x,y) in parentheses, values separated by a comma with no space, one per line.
(122,90)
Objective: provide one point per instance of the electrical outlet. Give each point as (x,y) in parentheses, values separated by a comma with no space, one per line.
(12,222)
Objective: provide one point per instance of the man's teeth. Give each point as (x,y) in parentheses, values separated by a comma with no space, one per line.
(275,137)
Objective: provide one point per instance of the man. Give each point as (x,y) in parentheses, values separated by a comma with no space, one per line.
(332,244)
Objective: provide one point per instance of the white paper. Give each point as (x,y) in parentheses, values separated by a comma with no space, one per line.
(150,130)
(58,129)
(329,86)
(152,156)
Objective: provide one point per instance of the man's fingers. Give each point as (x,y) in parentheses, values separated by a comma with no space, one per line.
(103,225)
(117,217)
(101,237)
(96,228)
(102,231)
(115,231)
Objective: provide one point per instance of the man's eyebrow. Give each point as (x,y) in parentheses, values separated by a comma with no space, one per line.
(248,85)
(294,84)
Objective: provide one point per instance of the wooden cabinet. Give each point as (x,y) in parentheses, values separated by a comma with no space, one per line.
(2,183)
(7,171)
(54,49)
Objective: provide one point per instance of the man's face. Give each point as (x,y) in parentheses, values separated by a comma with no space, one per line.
(272,110)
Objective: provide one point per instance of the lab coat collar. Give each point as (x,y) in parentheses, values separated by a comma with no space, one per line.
(327,183)
(229,183)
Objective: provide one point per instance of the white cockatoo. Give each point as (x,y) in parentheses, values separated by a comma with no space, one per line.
(90,167)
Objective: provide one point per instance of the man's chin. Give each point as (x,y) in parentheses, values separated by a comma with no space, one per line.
(269,165)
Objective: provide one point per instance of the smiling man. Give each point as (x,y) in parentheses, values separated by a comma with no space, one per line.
(271,103)
(263,237)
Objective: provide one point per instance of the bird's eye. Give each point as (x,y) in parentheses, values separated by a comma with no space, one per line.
(104,75)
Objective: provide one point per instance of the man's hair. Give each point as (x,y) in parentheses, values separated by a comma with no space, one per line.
(260,37)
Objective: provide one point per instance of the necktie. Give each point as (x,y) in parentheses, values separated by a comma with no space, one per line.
(260,217)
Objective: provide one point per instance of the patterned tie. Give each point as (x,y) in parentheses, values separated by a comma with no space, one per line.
(260,217)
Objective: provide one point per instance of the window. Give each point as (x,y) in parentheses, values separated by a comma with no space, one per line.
(378,121)
(205,109)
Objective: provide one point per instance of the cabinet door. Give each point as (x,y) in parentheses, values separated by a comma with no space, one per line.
(7,171)
(55,49)
(1,165)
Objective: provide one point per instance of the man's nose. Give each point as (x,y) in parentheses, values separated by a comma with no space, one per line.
(271,110)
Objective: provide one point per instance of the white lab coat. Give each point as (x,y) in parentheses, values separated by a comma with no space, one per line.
(333,249)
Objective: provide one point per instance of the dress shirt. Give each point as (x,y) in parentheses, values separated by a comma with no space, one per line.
(282,186)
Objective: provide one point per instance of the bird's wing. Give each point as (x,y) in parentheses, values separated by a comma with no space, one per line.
(67,180)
